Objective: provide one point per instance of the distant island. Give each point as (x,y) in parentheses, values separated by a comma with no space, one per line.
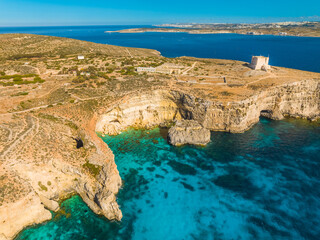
(303,29)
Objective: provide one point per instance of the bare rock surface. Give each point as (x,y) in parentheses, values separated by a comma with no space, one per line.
(188,132)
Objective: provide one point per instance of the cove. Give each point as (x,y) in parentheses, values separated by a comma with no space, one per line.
(262,184)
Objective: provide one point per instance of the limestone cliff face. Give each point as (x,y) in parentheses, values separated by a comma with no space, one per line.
(299,99)
(145,110)
(188,132)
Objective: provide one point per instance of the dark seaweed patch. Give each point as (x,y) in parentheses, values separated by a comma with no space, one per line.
(165,170)
(175,179)
(266,226)
(187,186)
(165,195)
(151,169)
(205,166)
(182,168)
(157,163)
(237,183)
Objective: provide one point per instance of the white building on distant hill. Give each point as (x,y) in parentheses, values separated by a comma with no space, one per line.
(80,57)
(260,63)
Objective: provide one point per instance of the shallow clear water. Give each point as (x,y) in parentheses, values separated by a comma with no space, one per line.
(262,184)
(292,52)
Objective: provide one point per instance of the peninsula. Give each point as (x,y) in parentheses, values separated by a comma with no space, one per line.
(57,93)
(303,29)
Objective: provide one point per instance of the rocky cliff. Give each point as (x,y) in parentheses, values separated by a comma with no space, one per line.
(298,99)
(35,181)
(188,132)
(143,110)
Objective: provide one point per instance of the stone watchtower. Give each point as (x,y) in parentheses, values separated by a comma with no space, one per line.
(260,63)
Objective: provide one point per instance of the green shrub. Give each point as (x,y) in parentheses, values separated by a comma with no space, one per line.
(94,170)
(20,94)
(43,187)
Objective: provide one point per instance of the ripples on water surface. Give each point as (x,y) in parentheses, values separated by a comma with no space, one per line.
(262,184)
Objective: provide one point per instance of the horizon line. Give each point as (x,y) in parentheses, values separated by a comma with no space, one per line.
(149,24)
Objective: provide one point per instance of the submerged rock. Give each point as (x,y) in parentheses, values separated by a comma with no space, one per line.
(188,132)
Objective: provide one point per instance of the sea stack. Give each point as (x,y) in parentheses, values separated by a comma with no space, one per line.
(188,132)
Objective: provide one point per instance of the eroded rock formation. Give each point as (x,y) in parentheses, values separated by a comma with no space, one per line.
(188,132)
(298,99)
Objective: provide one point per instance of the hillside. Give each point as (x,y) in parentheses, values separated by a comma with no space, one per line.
(17,46)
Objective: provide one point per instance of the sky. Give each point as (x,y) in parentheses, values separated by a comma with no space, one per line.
(135,12)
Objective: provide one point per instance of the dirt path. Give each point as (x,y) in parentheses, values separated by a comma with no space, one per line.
(129,53)
(19,139)
(189,69)
(261,78)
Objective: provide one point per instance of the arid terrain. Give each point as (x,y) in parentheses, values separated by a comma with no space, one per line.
(52,104)
(303,29)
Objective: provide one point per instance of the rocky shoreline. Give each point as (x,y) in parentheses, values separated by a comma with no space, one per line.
(298,99)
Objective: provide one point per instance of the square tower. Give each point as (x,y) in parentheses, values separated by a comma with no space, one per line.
(260,63)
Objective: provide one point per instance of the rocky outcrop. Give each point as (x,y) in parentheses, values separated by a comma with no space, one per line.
(17,215)
(49,204)
(298,99)
(188,132)
(89,171)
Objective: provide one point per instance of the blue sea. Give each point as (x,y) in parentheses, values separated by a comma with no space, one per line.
(285,51)
(262,184)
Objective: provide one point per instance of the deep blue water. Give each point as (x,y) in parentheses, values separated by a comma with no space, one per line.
(293,52)
(262,184)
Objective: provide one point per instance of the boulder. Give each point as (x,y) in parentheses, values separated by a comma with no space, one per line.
(49,204)
(188,132)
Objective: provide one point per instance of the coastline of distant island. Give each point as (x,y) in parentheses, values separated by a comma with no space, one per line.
(299,29)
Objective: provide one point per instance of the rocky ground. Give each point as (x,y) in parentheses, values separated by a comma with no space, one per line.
(49,98)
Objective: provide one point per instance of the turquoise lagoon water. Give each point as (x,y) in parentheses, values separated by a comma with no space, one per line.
(262,184)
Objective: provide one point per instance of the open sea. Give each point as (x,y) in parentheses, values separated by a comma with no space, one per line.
(285,51)
(262,184)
